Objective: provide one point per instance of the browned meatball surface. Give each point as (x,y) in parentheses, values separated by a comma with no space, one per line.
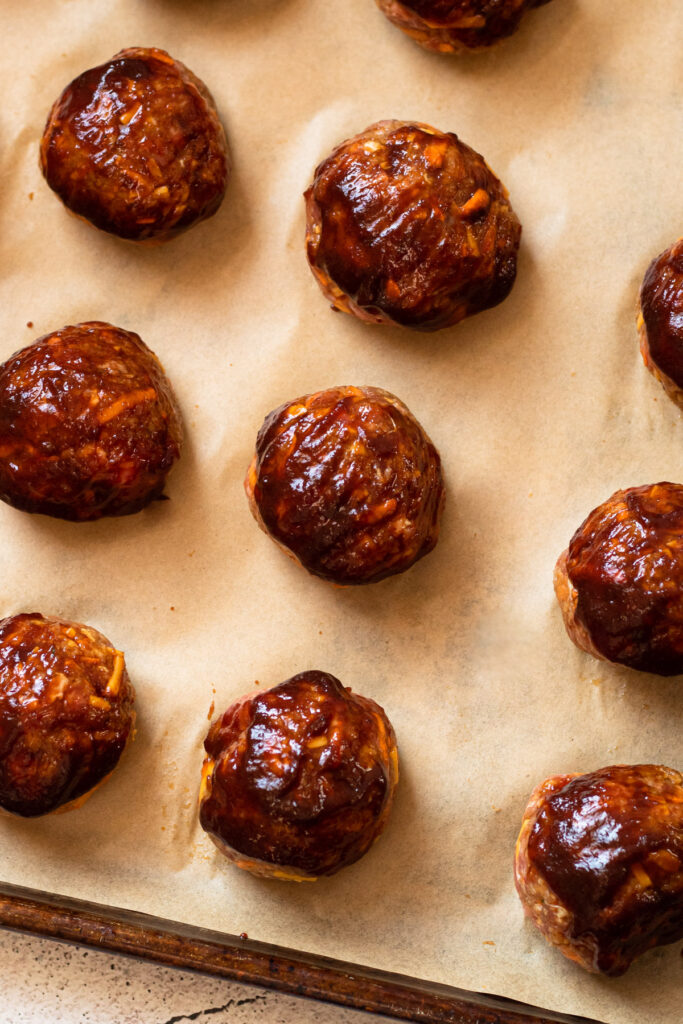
(66,712)
(135,147)
(620,582)
(89,426)
(298,780)
(660,320)
(457,26)
(347,481)
(407,225)
(599,863)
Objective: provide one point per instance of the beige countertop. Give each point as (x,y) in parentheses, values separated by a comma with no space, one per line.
(47,981)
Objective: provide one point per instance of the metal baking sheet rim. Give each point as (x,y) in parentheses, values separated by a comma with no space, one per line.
(188,947)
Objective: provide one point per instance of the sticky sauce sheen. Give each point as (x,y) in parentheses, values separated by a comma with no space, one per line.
(600,863)
(456,26)
(301,776)
(89,424)
(66,712)
(625,564)
(408,225)
(348,482)
(661,306)
(135,147)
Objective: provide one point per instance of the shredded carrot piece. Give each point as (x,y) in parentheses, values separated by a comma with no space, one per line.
(126,402)
(115,680)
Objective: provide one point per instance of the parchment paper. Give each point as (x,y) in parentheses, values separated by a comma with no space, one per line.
(541,408)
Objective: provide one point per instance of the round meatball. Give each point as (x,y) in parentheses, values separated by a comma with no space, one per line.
(457,26)
(599,863)
(135,147)
(620,581)
(348,483)
(407,225)
(89,425)
(660,320)
(299,780)
(66,713)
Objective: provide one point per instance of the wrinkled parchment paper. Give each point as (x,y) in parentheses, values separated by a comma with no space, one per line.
(540,408)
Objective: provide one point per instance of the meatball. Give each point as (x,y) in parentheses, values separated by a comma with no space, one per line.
(348,483)
(599,863)
(407,225)
(660,320)
(620,581)
(66,713)
(89,425)
(457,26)
(299,780)
(135,147)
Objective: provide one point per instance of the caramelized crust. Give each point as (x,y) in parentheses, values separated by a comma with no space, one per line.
(298,780)
(407,225)
(135,147)
(347,481)
(660,320)
(66,713)
(89,425)
(599,863)
(620,582)
(457,26)
(568,598)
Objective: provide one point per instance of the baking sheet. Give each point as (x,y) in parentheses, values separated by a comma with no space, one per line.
(540,408)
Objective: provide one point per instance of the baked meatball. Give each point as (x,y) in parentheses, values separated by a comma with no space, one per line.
(66,713)
(457,26)
(660,320)
(135,147)
(407,225)
(620,581)
(348,483)
(89,425)
(298,780)
(599,863)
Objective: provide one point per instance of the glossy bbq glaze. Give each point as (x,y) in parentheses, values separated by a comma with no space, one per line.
(407,225)
(89,425)
(457,26)
(660,320)
(347,481)
(135,147)
(599,863)
(620,582)
(66,712)
(298,780)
